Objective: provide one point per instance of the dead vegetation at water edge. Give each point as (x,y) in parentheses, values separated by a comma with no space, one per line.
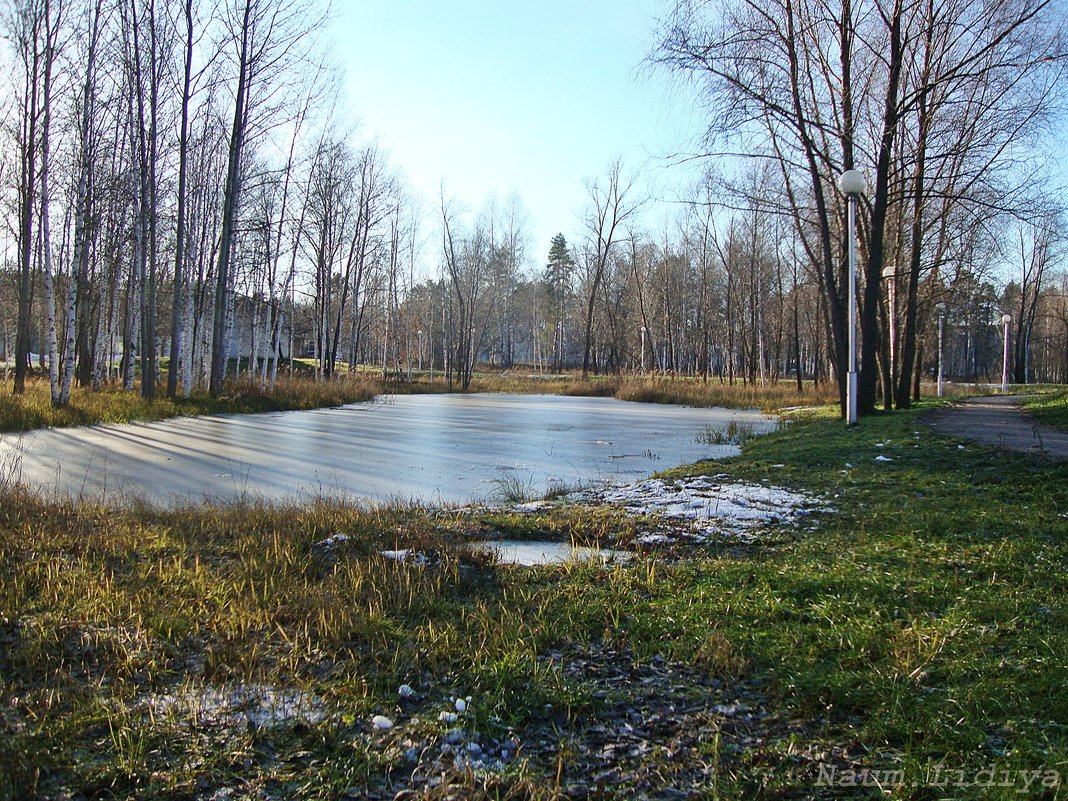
(33,409)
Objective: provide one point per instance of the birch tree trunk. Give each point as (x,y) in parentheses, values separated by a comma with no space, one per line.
(231,196)
(28,22)
(79,261)
(178,308)
(45,231)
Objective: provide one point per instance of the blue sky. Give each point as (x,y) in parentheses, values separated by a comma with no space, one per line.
(499,97)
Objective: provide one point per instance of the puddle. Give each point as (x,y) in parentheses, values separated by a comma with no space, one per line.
(531,554)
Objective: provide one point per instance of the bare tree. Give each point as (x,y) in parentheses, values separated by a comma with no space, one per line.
(1036,242)
(178,302)
(267,37)
(610,208)
(28,26)
(53,20)
(82,211)
(926,97)
(466,258)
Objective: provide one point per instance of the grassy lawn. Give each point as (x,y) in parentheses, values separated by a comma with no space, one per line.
(920,627)
(1050,409)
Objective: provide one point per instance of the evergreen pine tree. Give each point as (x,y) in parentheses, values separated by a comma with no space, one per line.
(558,274)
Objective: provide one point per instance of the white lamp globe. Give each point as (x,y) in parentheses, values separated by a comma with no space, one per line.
(852,182)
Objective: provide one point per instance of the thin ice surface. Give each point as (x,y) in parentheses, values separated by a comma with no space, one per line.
(429,448)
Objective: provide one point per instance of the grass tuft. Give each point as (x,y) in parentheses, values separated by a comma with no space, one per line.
(734,434)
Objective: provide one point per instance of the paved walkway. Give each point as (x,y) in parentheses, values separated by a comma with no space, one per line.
(998,420)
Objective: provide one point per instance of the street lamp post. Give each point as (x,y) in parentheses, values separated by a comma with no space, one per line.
(1006,319)
(852,184)
(941,329)
(419,334)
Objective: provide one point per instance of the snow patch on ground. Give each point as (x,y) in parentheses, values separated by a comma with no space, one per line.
(532,553)
(408,556)
(254,705)
(331,542)
(709,507)
(531,507)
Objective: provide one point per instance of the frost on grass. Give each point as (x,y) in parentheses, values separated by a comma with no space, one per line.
(705,508)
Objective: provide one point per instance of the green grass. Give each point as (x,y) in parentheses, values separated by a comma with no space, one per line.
(924,623)
(1050,408)
(33,409)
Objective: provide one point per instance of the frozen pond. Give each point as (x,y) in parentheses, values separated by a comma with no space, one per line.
(426,448)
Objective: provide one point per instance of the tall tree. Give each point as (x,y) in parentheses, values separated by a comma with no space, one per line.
(53,14)
(28,25)
(610,208)
(86,137)
(146,66)
(930,99)
(558,278)
(1035,244)
(267,38)
(178,300)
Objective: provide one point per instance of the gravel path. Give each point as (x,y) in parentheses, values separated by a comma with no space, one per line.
(998,420)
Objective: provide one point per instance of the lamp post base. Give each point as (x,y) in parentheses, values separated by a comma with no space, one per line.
(851,399)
